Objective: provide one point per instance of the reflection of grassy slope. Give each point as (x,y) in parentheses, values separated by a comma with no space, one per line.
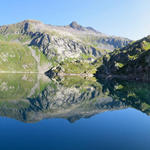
(80,83)
(76,81)
(16,86)
(19,86)
(15,57)
(21,104)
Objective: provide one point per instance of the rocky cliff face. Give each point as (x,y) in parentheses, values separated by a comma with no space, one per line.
(130,62)
(61,42)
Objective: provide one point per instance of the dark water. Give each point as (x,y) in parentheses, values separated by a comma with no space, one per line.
(73,113)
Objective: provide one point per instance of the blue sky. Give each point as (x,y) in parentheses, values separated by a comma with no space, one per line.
(127,18)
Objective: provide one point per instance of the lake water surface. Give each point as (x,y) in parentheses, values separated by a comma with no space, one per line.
(73,113)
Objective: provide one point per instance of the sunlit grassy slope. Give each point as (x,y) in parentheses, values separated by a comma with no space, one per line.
(16,57)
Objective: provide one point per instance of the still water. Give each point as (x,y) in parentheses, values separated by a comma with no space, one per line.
(73,113)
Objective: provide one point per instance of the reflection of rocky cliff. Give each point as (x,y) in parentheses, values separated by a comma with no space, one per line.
(71,101)
(70,98)
(73,98)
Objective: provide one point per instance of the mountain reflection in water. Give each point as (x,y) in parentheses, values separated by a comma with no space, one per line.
(32,97)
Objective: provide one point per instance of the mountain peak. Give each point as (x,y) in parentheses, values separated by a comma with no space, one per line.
(75,25)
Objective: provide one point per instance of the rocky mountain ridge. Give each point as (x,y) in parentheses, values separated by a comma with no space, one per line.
(52,45)
(43,36)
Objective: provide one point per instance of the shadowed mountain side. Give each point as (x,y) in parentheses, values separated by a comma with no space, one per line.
(132,93)
(131,62)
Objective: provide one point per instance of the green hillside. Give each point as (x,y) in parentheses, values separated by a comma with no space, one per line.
(16,57)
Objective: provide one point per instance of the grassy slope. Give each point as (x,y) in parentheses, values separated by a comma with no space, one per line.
(80,67)
(16,57)
(13,37)
(14,43)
